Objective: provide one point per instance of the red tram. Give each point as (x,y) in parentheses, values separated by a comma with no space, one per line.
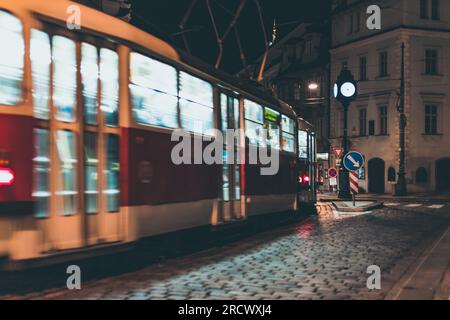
(86,118)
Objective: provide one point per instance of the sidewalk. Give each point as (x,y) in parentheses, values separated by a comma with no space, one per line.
(428,278)
(331,197)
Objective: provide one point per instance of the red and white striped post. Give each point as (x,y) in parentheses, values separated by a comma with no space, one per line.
(354,185)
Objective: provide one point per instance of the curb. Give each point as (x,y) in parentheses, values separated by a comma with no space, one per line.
(376,205)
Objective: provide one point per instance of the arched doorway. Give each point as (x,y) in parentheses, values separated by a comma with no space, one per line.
(443,175)
(376,168)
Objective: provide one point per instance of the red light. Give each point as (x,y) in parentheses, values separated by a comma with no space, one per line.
(306,178)
(6,177)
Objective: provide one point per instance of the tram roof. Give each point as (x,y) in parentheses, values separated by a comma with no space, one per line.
(97,21)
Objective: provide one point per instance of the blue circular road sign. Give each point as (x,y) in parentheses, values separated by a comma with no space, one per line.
(353,161)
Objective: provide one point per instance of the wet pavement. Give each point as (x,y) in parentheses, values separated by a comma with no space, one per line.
(323,257)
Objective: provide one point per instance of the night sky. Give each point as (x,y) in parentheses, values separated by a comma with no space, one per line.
(162,18)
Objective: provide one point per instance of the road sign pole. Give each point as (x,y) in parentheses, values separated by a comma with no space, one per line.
(354,185)
(344,188)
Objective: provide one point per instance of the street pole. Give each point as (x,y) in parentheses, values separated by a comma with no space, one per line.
(400,187)
(345,91)
(344,179)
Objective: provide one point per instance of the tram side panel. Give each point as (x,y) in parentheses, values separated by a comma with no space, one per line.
(16,202)
(270,193)
(162,196)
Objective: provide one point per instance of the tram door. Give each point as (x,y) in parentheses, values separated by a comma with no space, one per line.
(231,169)
(76,164)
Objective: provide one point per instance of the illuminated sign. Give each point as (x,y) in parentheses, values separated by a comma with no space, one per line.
(323,156)
(271,115)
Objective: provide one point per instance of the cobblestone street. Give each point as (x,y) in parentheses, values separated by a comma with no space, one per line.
(323,257)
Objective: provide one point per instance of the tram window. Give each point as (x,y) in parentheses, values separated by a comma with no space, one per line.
(11,59)
(196,104)
(153,74)
(254,123)
(40,54)
(196,89)
(253,111)
(302,144)
(237,183)
(224,111)
(67,184)
(41,169)
(225,177)
(236,114)
(109,75)
(64,78)
(196,117)
(153,90)
(90,172)
(112,168)
(312,153)
(273,135)
(288,140)
(89,76)
(272,119)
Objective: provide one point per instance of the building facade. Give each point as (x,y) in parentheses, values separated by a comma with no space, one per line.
(374,57)
(297,71)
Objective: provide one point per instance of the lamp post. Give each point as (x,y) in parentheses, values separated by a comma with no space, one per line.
(345,91)
(400,187)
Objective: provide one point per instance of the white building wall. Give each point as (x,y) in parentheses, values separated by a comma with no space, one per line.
(421,150)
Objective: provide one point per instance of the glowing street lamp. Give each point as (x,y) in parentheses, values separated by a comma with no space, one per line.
(313,86)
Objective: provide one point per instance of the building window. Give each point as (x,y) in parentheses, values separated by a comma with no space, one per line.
(391,175)
(431,119)
(297,91)
(383,64)
(363,122)
(435,9)
(309,48)
(383,112)
(371,127)
(421,175)
(431,61)
(363,68)
(351,22)
(358,22)
(424,9)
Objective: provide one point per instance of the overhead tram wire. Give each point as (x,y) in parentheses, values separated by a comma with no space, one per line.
(183,23)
